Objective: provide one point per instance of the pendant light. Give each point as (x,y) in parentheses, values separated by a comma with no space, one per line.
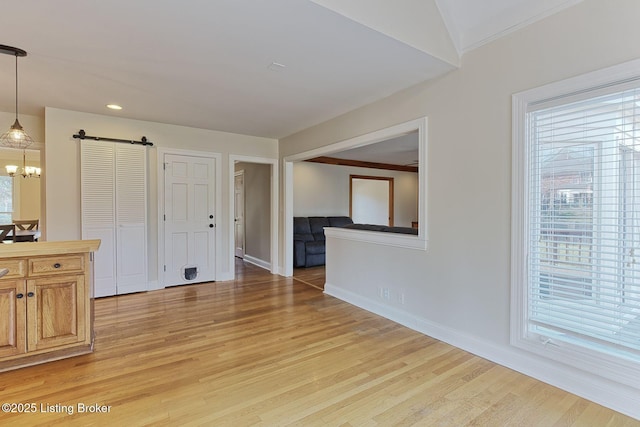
(15,137)
(27,171)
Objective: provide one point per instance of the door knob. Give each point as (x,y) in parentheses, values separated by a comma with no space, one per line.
(210,216)
(30,294)
(210,225)
(19,296)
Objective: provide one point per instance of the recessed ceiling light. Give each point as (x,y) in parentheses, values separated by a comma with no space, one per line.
(276,66)
(114,107)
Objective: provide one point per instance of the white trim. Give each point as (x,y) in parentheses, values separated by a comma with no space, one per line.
(233,158)
(287,267)
(594,79)
(615,396)
(376,237)
(410,242)
(519,207)
(258,262)
(161,152)
(153,285)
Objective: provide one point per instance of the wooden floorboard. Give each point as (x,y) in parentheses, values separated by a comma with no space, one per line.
(312,276)
(273,351)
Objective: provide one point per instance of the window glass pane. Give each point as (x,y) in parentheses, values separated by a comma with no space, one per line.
(6,199)
(584,198)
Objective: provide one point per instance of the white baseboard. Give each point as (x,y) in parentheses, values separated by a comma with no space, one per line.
(616,396)
(154,285)
(223,277)
(257,261)
(130,289)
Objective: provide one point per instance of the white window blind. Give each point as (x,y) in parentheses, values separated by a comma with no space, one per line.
(6,200)
(583,221)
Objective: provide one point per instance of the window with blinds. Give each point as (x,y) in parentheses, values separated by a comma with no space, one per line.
(579,237)
(6,200)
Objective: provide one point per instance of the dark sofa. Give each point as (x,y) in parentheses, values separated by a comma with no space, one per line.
(308,238)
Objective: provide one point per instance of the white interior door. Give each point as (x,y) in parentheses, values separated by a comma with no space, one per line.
(238,186)
(189,219)
(371,201)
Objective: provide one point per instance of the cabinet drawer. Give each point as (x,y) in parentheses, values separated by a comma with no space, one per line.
(56,264)
(17,268)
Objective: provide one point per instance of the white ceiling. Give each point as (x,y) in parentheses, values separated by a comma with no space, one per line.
(401,150)
(208,63)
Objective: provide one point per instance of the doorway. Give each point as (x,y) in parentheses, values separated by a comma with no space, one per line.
(238,218)
(371,199)
(252,213)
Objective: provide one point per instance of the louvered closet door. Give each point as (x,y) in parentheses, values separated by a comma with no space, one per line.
(114,202)
(131,214)
(98,211)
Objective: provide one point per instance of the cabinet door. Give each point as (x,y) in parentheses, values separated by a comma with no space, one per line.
(55,311)
(12,317)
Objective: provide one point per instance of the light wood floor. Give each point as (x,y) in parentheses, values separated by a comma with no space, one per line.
(312,276)
(273,351)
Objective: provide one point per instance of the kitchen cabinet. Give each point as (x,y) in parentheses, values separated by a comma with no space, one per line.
(46,301)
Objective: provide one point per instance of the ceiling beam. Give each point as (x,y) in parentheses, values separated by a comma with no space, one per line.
(362,164)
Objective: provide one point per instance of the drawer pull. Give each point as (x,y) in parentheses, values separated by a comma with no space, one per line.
(30,294)
(19,296)
(57,265)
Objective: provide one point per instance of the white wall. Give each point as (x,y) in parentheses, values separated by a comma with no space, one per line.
(458,289)
(62,186)
(323,190)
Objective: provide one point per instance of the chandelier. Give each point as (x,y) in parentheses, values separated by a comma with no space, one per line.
(15,137)
(27,171)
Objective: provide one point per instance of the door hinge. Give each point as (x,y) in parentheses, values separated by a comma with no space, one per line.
(164,217)
(165,268)
(164,166)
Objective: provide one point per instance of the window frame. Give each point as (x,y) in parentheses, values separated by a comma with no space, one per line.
(618,368)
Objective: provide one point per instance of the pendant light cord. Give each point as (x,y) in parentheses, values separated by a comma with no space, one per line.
(16,86)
